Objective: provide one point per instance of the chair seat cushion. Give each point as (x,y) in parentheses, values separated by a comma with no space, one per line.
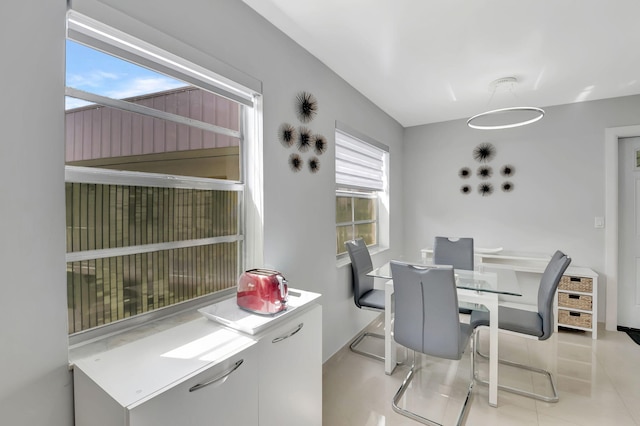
(373,299)
(512,319)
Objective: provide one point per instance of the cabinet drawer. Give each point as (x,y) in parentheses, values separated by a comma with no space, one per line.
(291,372)
(576,319)
(570,283)
(575,301)
(224,394)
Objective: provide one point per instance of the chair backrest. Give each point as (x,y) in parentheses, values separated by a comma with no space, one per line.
(361,265)
(547,290)
(457,252)
(426,310)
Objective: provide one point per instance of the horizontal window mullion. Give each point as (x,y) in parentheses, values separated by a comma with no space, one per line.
(151,112)
(148,248)
(156,180)
(356,222)
(361,222)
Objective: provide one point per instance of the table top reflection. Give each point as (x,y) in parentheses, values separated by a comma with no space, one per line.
(498,279)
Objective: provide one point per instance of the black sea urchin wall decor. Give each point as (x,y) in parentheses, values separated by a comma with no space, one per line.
(507,186)
(295,162)
(484,152)
(304,139)
(287,134)
(464,173)
(314,164)
(306,106)
(485,189)
(507,170)
(319,144)
(484,172)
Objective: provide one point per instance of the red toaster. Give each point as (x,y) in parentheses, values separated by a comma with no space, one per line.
(262,291)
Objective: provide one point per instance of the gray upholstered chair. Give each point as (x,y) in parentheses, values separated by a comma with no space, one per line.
(539,324)
(364,295)
(457,252)
(426,321)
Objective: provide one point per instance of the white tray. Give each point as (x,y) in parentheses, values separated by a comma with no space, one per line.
(229,314)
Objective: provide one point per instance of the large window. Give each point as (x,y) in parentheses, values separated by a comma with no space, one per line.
(155,151)
(361,186)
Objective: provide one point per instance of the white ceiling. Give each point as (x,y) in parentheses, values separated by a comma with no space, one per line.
(426,61)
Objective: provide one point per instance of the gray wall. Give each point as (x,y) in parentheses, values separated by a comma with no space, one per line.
(35,385)
(559,183)
(299,216)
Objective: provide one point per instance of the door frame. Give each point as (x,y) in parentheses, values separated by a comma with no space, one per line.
(611,146)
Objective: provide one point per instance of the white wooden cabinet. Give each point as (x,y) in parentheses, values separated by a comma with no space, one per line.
(224,394)
(231,399)
(291,373)
(202,373)
(154,381)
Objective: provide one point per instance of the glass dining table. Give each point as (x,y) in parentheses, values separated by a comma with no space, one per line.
(478,289)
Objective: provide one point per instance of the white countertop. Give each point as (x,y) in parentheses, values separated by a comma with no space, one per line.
(172,349)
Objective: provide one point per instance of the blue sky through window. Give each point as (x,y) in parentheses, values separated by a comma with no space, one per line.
(96,72)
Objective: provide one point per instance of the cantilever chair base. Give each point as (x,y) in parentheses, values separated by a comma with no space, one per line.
(553,398)
(360,338)
(424,420)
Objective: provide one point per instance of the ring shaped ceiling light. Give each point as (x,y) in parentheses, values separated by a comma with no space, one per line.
(538,114)
(505,118)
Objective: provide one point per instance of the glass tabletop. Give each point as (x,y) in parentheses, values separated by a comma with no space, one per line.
(499,279)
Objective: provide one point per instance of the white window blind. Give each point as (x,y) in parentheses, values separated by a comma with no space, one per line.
(359,164)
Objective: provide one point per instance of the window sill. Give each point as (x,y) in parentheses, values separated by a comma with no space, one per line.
(138,330)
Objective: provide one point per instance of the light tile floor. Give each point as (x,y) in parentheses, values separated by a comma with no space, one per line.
(598,383)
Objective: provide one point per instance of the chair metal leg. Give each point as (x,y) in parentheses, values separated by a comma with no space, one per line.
(359,339)
(553,398)
(424,420)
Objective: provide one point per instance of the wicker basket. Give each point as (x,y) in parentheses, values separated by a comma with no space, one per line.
(576,319)
(575,301)
(569,283)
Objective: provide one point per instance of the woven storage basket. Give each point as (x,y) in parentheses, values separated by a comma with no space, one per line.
(577,319)
(583,284)
(576,301)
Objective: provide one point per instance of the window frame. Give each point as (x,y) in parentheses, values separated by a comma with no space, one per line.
(356,191)
(250,231)
(352,194)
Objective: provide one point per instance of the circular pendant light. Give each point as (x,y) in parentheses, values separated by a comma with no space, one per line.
(505,118)
(513,117)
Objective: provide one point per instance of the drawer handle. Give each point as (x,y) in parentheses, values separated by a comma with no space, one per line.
(216,379)
(574,314)
(574,296)
(281,338)
(574,279)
